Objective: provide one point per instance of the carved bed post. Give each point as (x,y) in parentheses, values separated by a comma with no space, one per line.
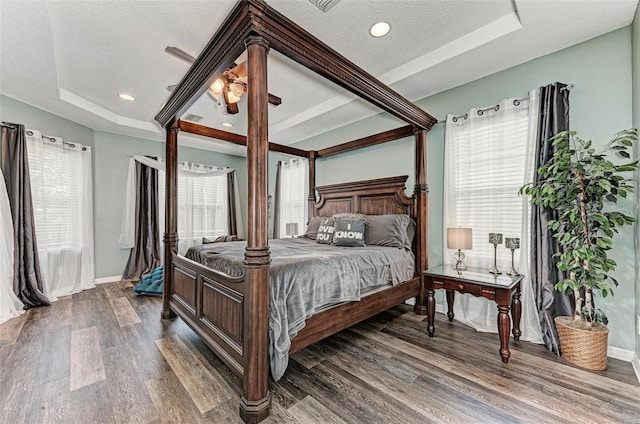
(421,191)
(171,217)
(256,399)
(311,199)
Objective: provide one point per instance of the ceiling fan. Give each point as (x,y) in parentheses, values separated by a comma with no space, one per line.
(228,88)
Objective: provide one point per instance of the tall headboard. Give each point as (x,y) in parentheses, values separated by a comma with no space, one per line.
(371,197)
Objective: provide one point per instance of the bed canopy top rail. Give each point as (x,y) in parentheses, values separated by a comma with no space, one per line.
(368,141)
(241,140)
(255,17)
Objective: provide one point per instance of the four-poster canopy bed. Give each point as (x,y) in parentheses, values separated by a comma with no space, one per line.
(230,313)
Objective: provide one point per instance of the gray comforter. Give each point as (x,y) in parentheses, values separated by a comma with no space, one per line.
(308,277)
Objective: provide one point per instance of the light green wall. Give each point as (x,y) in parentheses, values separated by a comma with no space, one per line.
(635,42)
(601,105)
(110,165)
(21,113)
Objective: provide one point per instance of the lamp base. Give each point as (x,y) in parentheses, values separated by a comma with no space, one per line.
(459,258)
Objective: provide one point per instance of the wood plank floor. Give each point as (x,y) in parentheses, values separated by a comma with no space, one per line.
(104,356)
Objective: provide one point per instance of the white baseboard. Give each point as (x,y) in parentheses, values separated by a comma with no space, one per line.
(636,367)
(104,280)
(622,354)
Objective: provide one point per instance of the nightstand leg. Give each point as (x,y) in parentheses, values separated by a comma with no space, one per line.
(516,311)
(504,325)
(431,312)
(451,298)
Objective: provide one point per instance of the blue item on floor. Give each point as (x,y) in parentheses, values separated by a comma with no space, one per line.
(152,283)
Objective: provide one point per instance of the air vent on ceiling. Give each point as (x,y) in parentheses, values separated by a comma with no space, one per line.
(193,118)
(324,5)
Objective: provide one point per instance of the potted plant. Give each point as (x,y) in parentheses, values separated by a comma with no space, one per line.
(583,185)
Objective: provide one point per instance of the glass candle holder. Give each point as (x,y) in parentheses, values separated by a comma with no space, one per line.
(512,243)
(495,239)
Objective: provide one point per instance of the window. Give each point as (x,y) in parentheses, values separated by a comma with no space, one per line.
(486,164)
(293,197)
(202,207)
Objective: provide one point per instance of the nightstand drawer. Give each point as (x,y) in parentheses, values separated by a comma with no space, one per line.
(457,285)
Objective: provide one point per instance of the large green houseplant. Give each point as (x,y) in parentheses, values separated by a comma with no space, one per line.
(583,185)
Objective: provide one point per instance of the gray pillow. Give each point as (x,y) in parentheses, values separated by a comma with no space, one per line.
(325,231)
(349,215)
(312,227)
(349,232)
(388,230)
(220,239)
(411,232)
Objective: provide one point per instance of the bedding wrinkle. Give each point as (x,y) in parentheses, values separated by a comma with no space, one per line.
(307,277)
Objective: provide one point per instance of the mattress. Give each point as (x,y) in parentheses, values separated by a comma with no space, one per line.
(308,277)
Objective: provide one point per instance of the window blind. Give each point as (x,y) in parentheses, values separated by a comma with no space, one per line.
(293,193)
(202,206)
(56,175)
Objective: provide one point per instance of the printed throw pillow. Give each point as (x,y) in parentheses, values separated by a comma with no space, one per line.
(325,231)
(349,233)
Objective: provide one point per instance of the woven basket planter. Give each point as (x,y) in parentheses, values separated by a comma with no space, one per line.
(584,348)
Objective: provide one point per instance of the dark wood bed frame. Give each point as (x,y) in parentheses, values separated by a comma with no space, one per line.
(231,314)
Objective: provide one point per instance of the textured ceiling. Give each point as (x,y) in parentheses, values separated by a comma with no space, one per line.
(72,58)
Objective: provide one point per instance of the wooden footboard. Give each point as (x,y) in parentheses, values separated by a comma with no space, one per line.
(212,304)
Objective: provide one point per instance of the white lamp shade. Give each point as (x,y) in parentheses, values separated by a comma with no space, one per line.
(459,238)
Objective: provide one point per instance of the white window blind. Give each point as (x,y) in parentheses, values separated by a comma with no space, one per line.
(293,197)
(56,194)
(202,208)
(486,158)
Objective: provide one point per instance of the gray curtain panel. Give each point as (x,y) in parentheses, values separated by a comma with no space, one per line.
(276,203)
(145,254)
(231,201)
(553,118)
(28,283)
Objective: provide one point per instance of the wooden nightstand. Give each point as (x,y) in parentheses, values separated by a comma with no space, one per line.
(503,289)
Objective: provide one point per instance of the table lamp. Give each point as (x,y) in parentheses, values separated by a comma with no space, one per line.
(459,238)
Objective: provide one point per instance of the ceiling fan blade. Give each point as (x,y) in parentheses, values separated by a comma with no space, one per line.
(171,87)
(241,71)
(232,108)
(180,54)
(274,100)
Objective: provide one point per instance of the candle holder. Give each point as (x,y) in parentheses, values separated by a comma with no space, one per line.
(512,243)
(495,239)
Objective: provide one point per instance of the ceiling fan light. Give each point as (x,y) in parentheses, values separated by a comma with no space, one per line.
(234,91)
(216,88)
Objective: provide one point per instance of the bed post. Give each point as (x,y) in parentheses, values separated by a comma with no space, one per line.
(256,399)
(421,191)
(171,218)
(311,199)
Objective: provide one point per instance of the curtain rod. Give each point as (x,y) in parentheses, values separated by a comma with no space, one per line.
(11,126)
(516,102)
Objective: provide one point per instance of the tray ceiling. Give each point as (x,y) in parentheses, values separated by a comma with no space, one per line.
(72,58)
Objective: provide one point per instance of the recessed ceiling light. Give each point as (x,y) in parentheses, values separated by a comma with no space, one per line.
(227,124)
(379,29)
(125,96)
